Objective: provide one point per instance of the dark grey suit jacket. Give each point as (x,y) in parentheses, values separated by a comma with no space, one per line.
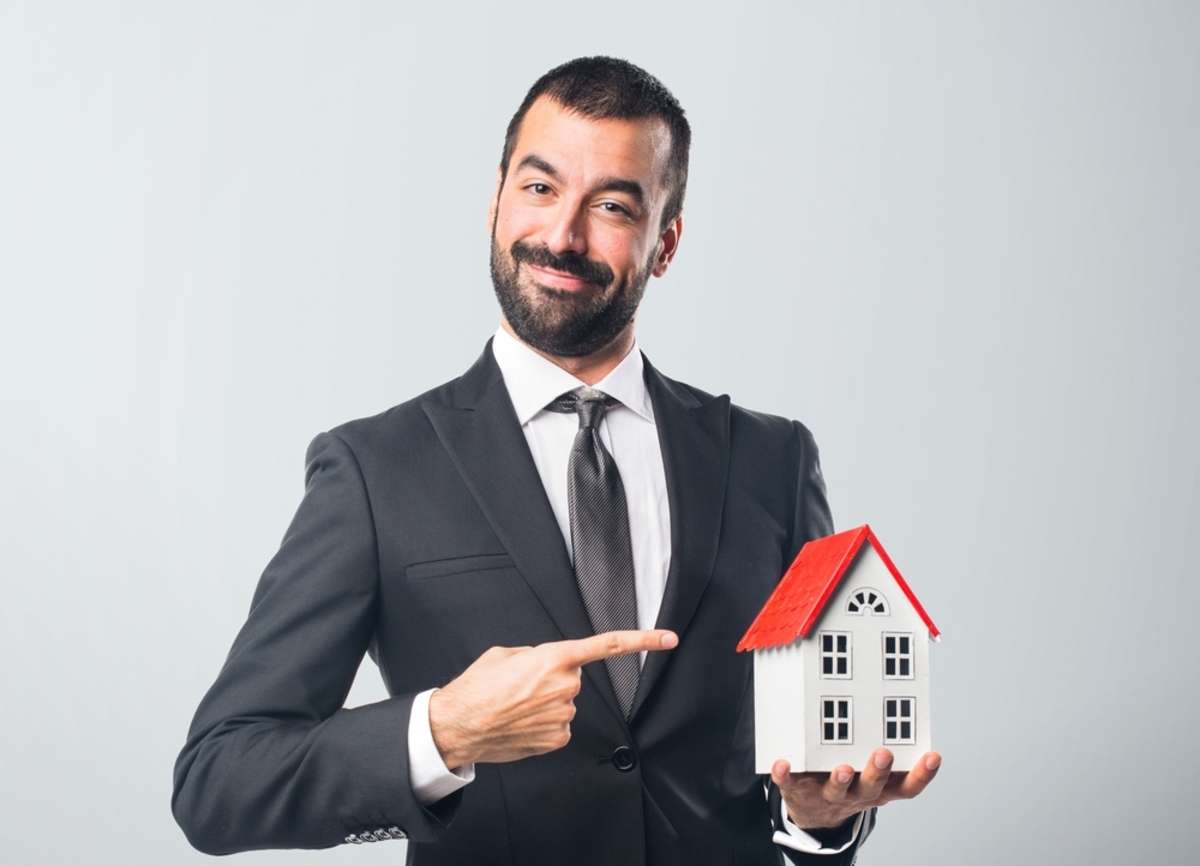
(424,537)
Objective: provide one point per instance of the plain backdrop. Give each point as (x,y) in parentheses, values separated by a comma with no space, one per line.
(958,240)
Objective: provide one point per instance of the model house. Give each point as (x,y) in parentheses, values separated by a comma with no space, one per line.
(841,660)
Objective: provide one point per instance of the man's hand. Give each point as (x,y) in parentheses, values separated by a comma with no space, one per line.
(513,702)
(814,802)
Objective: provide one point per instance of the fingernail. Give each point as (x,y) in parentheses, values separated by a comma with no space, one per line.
(882,760)
(844,777)
(933,762)
(670,639)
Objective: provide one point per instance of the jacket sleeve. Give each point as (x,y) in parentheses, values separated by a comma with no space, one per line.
(272,758)
(811,519)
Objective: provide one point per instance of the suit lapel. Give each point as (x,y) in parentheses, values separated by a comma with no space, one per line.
(694,437)
(480,431)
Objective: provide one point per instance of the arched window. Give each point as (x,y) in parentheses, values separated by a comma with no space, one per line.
(867,601)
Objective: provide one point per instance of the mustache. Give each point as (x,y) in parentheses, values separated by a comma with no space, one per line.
(569,263)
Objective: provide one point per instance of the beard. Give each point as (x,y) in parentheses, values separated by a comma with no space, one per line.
(559,321)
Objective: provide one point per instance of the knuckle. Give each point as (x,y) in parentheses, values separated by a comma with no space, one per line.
(549,663)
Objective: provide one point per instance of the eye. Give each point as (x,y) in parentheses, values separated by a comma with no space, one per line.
(619,208)
(539,184)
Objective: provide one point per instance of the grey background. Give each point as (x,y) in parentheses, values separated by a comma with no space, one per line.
(959,241)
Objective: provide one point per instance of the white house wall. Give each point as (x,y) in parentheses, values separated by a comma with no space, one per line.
(867,687)
(779,708)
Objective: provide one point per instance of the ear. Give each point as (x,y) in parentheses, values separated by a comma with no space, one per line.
(669,241)
(491,214)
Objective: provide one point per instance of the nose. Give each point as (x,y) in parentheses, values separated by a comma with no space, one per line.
(567,231)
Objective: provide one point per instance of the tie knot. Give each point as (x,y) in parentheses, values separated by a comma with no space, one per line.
(588,403)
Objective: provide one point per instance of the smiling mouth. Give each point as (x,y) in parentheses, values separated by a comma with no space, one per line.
(557,279)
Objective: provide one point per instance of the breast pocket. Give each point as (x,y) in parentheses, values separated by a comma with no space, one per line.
(475,563)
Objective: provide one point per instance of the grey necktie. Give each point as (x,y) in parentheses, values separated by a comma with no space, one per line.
(600,534)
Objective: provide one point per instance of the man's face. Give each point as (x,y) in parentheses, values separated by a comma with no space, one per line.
(575,230)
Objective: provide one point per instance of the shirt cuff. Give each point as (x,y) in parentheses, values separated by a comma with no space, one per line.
(430,778)
(798,840)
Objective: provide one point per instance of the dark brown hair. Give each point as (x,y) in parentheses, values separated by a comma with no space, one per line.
(609,87)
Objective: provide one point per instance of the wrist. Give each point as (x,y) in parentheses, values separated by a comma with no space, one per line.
(448,736)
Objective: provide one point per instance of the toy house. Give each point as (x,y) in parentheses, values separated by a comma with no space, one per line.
(841,660)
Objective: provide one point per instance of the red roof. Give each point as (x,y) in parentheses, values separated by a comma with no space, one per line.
(796,604)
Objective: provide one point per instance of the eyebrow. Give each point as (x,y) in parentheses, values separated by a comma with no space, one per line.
(615,184)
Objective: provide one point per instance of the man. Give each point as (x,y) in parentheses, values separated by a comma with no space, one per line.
(550,558)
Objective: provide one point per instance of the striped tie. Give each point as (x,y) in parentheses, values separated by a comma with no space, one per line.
(600,534)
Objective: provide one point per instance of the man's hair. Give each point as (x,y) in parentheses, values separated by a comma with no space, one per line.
(608,87)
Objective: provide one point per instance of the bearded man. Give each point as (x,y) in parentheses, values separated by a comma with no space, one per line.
(550,558)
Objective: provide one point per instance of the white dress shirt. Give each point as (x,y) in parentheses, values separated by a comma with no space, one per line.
(629,433)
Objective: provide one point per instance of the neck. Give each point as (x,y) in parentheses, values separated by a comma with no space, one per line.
(589,369)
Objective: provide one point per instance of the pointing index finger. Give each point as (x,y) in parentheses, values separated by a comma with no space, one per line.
(607,644)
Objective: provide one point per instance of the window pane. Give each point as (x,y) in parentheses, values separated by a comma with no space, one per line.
(871,598)
(891,731)
(843,731)
(889,644)
(826,642)
(891,708)
(904,667)
(841,643)
(827,665)
(843,709)
(906,708)
(829,709)
(842,665)
(906,730)
(889,667)
(829,730)
(854,607)
(904,645)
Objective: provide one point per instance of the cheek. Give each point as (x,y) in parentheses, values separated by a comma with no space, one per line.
(516,223)
(615,250)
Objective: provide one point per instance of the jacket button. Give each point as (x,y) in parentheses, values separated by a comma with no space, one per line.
(353,837)
(367,836)
(623,759)
(396,832)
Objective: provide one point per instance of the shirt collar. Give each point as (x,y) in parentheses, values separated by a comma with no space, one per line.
(533,381)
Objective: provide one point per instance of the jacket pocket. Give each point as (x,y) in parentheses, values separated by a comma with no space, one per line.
(457,565)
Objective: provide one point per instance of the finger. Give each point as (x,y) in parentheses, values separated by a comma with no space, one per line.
(781,774)
(874,775)
(908,785)
(786,780)
(612,643)
(504,651)
(834,790)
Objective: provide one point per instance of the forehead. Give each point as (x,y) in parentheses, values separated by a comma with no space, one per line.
(586,147)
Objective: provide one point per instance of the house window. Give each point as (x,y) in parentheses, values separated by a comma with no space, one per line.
(899,719)
(897,655)
(837,720)
(867,600)
(835,655)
